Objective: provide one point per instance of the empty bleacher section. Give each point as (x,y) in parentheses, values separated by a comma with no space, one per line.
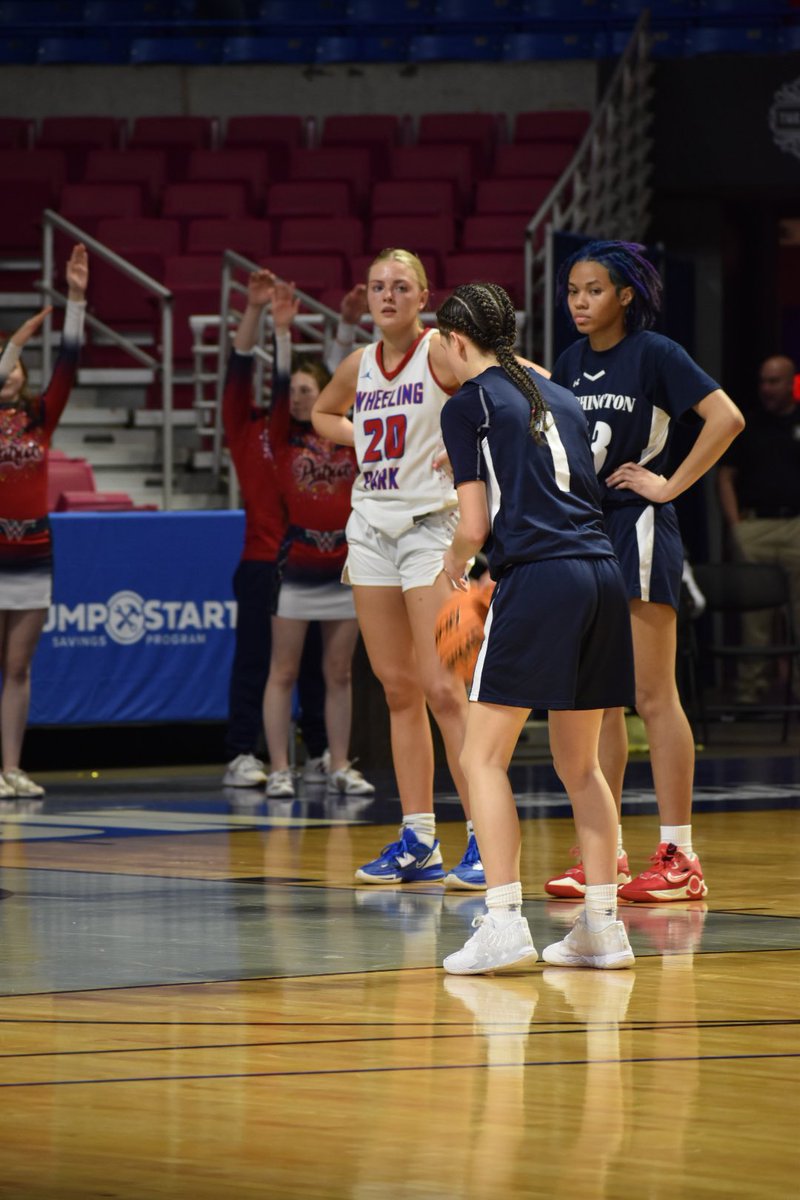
(313,200)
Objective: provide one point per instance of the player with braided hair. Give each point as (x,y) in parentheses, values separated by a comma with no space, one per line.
(633,384)
(557,635)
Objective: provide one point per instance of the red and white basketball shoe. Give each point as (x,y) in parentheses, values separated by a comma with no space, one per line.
(571,884)
(672,876)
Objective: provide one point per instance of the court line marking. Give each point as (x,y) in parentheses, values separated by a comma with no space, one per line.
(223,981)
(342,1071)
(507,1030)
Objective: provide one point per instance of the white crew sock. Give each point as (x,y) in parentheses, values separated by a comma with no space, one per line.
(504,902)
(423,824)
(600,905)
(680,836)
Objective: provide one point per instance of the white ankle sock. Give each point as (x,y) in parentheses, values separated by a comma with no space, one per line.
(470,829)
(600,905)
(680,836)
(423,824)
(620,846)
(504,902)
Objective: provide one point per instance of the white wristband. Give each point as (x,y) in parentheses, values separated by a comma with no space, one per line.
(74,321)
(345,333)
(283,353)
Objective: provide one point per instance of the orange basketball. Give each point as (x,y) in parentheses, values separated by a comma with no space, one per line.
(459,629)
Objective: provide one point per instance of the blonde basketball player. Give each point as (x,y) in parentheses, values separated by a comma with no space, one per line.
(403,518)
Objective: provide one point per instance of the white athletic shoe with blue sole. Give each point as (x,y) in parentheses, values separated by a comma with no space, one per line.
(407,860)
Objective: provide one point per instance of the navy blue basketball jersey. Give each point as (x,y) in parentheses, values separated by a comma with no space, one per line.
(631,394)
(543,496)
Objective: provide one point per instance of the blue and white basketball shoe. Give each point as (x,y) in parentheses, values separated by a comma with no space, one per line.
(469,873)
(407,860)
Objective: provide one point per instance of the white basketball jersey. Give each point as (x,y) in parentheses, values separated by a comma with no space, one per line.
(397,437)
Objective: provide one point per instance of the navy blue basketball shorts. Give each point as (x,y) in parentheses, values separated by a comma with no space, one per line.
(648,544)
(558,636)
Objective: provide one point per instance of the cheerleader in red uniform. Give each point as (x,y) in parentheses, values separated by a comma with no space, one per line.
(314,478)
(27,424)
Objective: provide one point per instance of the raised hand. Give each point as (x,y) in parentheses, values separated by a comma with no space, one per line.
(354,304)
(78,272)
(260,287)
(29,328)
(284,306)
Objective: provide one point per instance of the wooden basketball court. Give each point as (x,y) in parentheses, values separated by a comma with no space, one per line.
(197,1001)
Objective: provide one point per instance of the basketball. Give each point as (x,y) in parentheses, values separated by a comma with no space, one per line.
(459,629)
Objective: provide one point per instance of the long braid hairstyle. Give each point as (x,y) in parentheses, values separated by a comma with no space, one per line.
(627,267)
(483,312)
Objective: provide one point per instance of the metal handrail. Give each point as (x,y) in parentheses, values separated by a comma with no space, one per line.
(161,363)
(232,261)
(593,203)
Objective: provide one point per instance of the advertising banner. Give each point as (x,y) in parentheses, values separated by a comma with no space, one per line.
(142,622)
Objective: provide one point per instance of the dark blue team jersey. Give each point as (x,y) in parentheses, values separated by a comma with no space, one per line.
(543,496)
(631,394)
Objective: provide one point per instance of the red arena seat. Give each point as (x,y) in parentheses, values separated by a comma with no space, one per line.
(511,195)
(16,133)
(67,475)
(348,163)
(470,266)
(148,168)
(412,197)
(533,160)
(336,235)
(554,126)
(307,198)
(245,166)
(186,200)
(247,236)
(311,273)
(479,131)
(453,163)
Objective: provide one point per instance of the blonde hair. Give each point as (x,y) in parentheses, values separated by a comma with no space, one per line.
(407,258)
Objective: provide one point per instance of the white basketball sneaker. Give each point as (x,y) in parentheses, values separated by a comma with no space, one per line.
(607,950)
(493,948)
(245,771)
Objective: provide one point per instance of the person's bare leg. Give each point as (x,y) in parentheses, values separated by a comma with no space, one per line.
(385,628)
(288,638)
(20,632)
(573,742)
(613,752)
(338,643)
(669,733)
(445,694)
(491,735)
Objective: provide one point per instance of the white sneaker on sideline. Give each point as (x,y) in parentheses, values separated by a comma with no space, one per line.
(245,771)
(350,782)
(21,784)
(493,948)
(280,783)
(6,790)
(315,770)
(606,950)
